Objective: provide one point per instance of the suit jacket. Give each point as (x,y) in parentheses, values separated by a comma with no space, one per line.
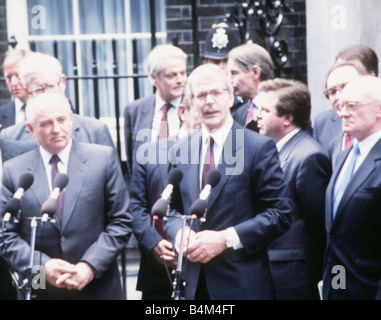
(138,115)
(296,258)
(354,237)
(149,178)
(334,148)
(326,127)
(239,113)
(259,210)
(7,115)
(95,226)
(17,139)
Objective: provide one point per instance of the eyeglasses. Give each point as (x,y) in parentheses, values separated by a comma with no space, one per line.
(51,87)
(351,105)
(217,94)
(331,92)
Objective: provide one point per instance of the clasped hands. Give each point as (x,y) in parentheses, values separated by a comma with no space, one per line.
(201,246)
(62,274)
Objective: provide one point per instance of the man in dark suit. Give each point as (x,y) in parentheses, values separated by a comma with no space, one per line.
(246,210)
(296,258)
(39,73)
(327,125)
(145,118)
(352,264)
(14,111)
(248,65)
(149,179)
(78,252)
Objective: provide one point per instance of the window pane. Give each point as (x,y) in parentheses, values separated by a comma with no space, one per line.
(140,19)
(49,17)
(101,16)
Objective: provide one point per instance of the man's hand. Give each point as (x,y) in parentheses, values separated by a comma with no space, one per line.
(63,274)
(164,251)
(206,245)
(57,271)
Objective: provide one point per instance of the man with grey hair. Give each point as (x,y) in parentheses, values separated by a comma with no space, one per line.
(248,65)
(352,266)
(156,117)
(40,73)
(78,250)
(247,209)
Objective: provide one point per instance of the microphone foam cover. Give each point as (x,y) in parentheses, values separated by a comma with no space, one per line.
(213,177)
(160,208)
(175,176)
(61,181)
(49,207)
(13,206)
(198,207)
(26,180)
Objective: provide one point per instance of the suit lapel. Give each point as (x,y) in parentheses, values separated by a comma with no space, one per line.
(360,176)
(77,171)
(286,151)
(36,167)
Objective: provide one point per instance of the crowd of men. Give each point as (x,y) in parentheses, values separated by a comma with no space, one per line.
(294,213)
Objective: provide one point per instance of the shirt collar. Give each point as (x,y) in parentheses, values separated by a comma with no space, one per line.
(281,143)
(219,135)
(63,155)
(368,143)
(159,102)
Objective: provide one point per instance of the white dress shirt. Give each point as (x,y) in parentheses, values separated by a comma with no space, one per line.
(172,117)
(62,164)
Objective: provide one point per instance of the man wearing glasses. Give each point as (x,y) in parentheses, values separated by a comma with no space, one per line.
(327,124)
(246,210)
(40,73)
(352,266)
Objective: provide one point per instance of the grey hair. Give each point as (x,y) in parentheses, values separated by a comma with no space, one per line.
(250,54)
(158,56)
(209,72)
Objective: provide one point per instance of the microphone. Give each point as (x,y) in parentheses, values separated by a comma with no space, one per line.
(26,180)
(211,180)
(160,207)
(12,208)
(60,182)
(49,207)
(198,208)
(174,178)
(14,205)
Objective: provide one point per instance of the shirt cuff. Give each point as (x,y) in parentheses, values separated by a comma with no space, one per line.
(232,239)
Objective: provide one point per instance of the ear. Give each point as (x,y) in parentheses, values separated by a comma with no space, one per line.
(152,79)
(256,70)
(181,110)
(288,120)
(30,127)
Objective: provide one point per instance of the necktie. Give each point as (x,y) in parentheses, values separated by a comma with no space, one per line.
(347,141)
(54,161)
(164,130)
(346,179)
(208,160)
(250,113)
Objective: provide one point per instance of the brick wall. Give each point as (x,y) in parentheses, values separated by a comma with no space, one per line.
(293,30)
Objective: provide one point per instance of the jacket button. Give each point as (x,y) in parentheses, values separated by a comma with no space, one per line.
(63,239)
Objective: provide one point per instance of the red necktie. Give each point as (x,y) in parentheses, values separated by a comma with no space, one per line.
(347,140)
(164,130)
(250,113)
(208,160)
(54,161)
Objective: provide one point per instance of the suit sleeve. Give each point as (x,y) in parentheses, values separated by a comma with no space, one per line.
(145,233)
(103,252)
(271,203)
(311,184)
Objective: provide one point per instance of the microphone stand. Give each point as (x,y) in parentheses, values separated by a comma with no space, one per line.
(178,283)
(33,225)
